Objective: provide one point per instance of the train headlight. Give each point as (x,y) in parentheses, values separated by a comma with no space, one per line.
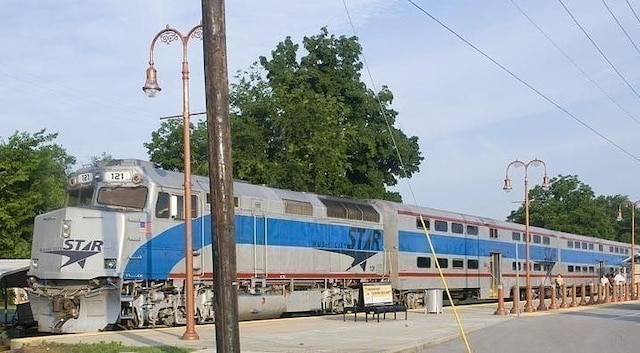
(66,228)
(110,264)
(34,263)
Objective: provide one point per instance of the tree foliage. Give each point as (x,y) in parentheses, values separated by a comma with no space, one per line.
(571,206)
(33,175)
(304,120)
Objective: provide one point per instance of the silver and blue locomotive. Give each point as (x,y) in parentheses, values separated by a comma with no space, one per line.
(114,256)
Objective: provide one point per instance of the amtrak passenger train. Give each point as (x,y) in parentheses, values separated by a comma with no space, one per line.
(114,256)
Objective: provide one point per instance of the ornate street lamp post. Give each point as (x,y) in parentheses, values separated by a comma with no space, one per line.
(633,242)
(151,88)
(528,307)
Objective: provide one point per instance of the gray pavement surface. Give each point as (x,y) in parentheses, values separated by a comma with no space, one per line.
(419,333)
(606,328)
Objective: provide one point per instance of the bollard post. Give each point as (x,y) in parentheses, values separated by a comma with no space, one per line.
(528,305)
(541,295)
(501,310)
(607,293)
(626,292)
(601,289)
(515,300)
(553,305)
(574,300)
(592,294)
(614,293)
(583,295)
(563,303)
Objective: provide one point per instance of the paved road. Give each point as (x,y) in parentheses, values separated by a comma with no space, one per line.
(602,329)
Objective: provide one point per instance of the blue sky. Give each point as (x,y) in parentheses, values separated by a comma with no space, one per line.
(77,68)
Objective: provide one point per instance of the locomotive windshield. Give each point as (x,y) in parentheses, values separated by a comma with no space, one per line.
(81,196)
(130,197)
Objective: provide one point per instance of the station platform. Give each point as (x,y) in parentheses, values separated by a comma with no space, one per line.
(327,333)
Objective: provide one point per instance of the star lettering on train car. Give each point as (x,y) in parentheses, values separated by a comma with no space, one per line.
(75,256)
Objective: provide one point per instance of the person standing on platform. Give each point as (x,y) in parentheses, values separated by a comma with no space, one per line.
(559,283)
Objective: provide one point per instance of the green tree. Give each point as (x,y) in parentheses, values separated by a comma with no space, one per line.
(304,120)
(570,206)
(33,175)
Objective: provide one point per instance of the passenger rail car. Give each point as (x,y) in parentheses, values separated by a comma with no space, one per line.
(114,256)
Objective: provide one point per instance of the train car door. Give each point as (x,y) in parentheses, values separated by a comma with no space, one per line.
(495,266)
(260,240)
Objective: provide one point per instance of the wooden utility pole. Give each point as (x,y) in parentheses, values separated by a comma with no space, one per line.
(220,176)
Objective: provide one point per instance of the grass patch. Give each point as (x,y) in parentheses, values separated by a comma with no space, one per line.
(102,347)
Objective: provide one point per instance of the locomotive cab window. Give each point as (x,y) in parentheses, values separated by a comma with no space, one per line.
(515,236)
(457,228)
(493,233)
(171,206)
(472,230)
(457,263)
(128,197)
(473,264)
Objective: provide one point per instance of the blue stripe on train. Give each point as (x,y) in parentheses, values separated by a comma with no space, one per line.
(155,258)
(474,247)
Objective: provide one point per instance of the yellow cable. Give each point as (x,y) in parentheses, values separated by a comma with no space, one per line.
(446,287)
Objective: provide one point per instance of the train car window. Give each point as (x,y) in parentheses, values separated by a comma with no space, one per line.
(162,205)
(515,236)
(426,223)
(537,239)
(457,228)
(590,246)
(569,243)
(584,269)
(537,267)
(592,269)
(600,248)
(369,213)
(444,263)
(424,262)
(611,249)
(457,263)
(576,245)
(472,230)
(546,240)
(298,207)
(570,268)
(473,264)
(441,226)
(350,210)
(135,197)
(584,245)
(516,264)
(493,233)
(577,269)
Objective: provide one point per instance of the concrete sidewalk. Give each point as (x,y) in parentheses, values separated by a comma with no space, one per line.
(310,334)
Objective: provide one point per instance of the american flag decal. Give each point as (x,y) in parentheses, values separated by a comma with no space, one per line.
(145,227)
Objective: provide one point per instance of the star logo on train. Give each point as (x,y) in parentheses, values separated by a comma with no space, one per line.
(77,250)
(75,256)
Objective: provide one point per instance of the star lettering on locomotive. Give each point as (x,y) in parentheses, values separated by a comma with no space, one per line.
(77,250)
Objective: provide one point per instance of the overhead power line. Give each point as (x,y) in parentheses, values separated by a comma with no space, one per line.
(583,72)
(598,49)
(522,81)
